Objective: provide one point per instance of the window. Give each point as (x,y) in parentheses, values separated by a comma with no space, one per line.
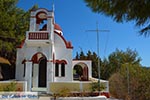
(32,69)
(62,69)
(41,20)
(24,70)
(56,69)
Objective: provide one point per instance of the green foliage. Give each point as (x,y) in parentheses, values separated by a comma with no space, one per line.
(124,10)
(138,83)
(112,64)
(64,92)
(9,88)
(95,86)
(14,24)
(116,60)
(123,68)
(128,56)
(78,70)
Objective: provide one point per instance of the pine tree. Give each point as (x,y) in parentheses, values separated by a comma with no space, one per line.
(124,10)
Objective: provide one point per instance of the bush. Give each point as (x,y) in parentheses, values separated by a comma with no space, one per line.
(10,87)
(95,86)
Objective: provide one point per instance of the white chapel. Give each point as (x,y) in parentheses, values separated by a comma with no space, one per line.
(45,56)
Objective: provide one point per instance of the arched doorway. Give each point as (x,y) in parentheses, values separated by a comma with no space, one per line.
(77,72)
(42,72)
(39,70)
(80,72)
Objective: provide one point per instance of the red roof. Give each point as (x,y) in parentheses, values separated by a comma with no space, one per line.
(57,27)
(68,44)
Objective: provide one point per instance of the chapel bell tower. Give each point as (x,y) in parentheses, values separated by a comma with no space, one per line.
(41,27)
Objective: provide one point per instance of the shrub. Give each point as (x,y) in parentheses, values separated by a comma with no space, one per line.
(95,86)
(10,87)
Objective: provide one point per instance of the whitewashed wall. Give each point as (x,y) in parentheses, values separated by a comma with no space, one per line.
(63,53)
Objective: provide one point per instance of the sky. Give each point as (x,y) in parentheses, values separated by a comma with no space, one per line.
(75,19)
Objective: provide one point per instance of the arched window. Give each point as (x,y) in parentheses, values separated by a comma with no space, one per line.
(63,69)
(41,21)
(56,69)
(60,68)
(24,70)
(43,25)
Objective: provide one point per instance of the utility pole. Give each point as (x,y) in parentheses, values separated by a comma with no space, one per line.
(97,31)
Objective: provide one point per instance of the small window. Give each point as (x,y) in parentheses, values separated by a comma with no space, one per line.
(32,69)
(62,69)
(56,69)
(24,70)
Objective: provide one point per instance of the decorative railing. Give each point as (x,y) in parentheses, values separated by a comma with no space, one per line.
(38,36)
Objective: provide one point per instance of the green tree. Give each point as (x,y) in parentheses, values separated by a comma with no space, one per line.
(14,24)
(124,10)
(116,59)
(78,70)
(130,83)
(77,56)
(105,69)
(82,55)
(94,58)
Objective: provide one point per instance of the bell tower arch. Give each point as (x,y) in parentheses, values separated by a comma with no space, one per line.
(41,21)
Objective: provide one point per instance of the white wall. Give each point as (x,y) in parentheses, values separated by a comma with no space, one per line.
(63,53)
(19,66)
(46,50)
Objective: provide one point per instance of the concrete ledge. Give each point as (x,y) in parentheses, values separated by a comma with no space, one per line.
(83,98)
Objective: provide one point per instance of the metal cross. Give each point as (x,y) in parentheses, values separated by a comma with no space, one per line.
(97,31)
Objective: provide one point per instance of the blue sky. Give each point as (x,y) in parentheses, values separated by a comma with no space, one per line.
(75,18)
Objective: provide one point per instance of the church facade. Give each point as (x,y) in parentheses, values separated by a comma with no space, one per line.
(45,56)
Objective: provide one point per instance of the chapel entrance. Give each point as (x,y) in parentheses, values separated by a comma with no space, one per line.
(42,72)
(80,72)
(39,70)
